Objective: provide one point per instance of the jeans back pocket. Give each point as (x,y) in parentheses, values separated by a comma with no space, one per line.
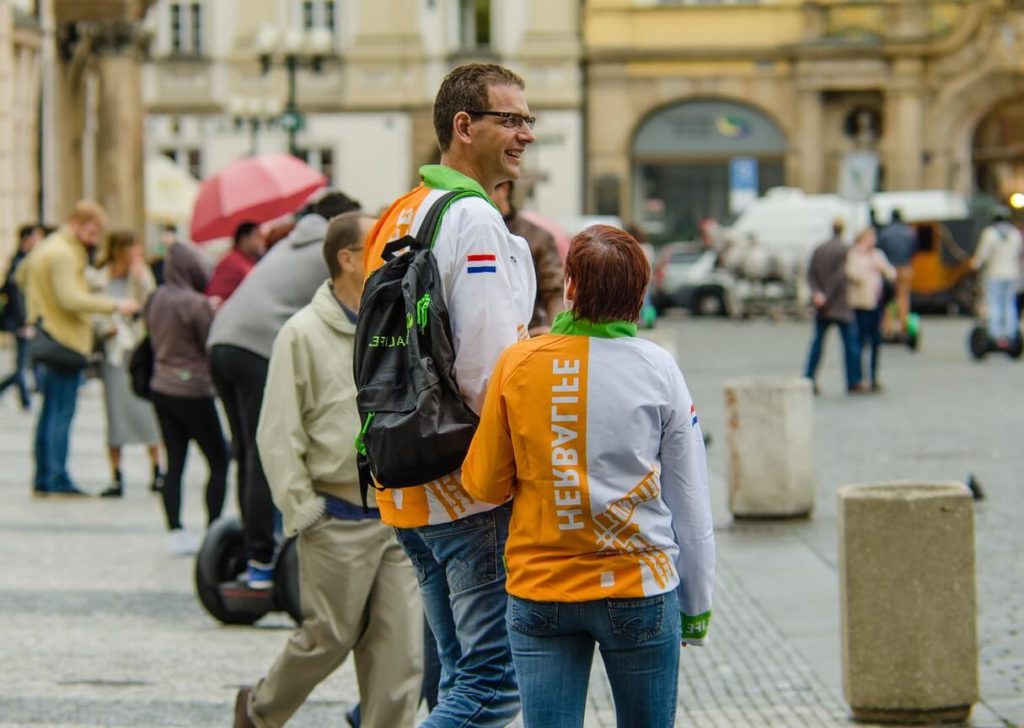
(637,620)
(537,619)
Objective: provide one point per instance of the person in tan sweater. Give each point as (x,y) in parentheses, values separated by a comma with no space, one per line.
(359,591)
(59,305)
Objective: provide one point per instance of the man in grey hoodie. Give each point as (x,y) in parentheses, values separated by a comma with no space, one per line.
(240,343)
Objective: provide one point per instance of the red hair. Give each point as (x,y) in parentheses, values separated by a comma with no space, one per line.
(610,272)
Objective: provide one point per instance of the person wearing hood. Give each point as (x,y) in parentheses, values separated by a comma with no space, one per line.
(239,344)
(178,318)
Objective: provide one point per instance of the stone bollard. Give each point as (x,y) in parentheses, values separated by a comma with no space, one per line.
(906,571)
(771,468)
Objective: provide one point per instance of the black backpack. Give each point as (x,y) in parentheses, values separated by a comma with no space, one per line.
(415,426)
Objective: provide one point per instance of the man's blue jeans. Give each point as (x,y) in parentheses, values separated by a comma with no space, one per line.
(851,351)
(553,647)
(1001,301)
(53,429)
(462,581)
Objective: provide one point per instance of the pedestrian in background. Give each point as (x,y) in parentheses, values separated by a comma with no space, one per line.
(59,305)
(238,263)
(867,269)
(178,318)
(123,273)
(357,586)
(547,264)
(999,258)
(826,275)
(240,341)
(14,317)
(611,535)
(899,243)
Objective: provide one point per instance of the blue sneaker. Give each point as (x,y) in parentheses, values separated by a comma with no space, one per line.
(259,576)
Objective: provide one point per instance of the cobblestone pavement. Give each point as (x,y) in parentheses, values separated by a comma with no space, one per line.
(100,627)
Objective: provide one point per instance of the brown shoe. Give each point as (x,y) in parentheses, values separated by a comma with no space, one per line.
(858,389)
(242,719)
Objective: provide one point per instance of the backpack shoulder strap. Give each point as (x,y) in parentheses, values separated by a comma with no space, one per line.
(427,234)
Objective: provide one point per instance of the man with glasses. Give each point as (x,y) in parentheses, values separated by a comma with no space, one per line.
(456,542)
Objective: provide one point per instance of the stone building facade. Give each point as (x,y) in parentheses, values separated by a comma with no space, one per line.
(687,103)
(365,107)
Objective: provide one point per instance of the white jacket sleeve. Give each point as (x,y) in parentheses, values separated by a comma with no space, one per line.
(282,439)
(490,291)
(684,482)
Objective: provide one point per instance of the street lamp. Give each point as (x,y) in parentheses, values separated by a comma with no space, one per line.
(293,49)
(254,112)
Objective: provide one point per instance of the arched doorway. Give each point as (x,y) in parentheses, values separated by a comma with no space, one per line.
(700,159)
(998,151)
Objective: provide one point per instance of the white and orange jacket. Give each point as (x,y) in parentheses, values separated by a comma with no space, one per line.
(594,433)
(489,288)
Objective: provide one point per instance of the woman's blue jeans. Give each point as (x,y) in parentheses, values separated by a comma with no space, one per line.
(553,647)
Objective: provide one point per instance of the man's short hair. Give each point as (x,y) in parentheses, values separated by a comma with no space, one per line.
(88,211)
(610,271)
(897,215)
(26,231)
(343,231)
(329,204)
(244,230)
(465,88)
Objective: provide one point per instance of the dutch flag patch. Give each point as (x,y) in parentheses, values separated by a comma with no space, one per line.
(693,416)
(482,263)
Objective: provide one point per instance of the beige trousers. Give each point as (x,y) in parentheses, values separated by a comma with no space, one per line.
(359,594)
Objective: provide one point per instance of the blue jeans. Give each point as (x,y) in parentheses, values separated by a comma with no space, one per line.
(461,573)
(1001,302)
(17,377)
(851,351)
(553,647)
(869,330)
(53,429)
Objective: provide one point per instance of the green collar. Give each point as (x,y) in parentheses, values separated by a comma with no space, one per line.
(565,323)
(439,177)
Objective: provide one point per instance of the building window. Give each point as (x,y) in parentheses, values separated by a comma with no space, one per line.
(321,159)
(474,24)
(190,159)
(186,25)
(318,14)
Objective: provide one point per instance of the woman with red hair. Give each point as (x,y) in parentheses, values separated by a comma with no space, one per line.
(591,431)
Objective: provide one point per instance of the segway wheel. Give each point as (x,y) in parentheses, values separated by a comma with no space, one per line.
(1016,347)
(221,559)
(286,581)
(978,342)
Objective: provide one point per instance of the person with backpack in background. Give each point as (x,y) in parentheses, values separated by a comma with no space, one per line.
(358,587)
(998,258)
(457,542)
(14,317)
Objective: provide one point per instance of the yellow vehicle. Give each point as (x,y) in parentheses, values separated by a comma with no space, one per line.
(943,279)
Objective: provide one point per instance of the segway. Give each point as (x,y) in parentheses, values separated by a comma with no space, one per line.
(220,585)
(981,344)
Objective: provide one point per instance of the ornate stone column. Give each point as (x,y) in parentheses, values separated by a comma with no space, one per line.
(7,223)
(811,141)
(119,149)
(904,126)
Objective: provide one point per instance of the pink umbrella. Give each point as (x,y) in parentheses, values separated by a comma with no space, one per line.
(255,189)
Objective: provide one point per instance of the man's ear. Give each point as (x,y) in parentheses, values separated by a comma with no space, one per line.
(461,125)
(342,260)
(570,289)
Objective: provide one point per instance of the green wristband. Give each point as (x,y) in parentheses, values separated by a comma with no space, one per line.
(694,628)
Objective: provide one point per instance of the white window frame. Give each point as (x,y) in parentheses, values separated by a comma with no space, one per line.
(192,43)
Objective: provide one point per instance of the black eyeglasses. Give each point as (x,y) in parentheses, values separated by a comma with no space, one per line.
(511,119)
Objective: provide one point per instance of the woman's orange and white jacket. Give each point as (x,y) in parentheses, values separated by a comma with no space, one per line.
(593,431)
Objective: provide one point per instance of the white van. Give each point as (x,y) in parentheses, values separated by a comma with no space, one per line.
(787,224)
